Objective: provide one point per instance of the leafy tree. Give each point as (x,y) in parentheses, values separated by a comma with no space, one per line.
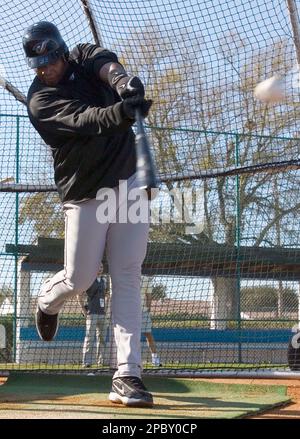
(265,298)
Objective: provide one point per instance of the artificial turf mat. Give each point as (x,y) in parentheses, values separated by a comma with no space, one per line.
(63,396)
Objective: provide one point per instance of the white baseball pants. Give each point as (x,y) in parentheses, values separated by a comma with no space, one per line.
(126,245)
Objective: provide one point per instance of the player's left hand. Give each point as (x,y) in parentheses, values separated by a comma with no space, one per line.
(130,86)
(130,105)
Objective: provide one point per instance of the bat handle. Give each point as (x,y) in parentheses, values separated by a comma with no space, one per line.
(146,174)
(139,120)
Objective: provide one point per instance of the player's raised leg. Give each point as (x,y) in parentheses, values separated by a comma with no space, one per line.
(84,247)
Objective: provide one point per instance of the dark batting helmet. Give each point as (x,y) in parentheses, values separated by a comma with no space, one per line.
(43,44)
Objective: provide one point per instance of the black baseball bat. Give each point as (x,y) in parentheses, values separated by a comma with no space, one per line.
(145,168)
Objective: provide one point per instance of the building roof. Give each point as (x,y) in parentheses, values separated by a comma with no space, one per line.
(203,258)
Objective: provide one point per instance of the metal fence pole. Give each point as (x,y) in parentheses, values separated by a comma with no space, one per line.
(16,237)
(237,243)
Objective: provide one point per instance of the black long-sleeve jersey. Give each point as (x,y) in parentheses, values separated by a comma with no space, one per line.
(82,120)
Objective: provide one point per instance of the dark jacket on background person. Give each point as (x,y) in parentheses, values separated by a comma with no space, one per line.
(95,297)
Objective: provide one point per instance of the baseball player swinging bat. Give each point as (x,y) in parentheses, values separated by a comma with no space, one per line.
(111,144)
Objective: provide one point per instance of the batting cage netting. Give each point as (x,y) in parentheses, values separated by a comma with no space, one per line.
(223,263)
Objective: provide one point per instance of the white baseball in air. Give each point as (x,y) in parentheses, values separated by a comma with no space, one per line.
(271,90)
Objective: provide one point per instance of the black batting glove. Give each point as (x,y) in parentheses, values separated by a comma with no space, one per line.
(130,105)
(129,86)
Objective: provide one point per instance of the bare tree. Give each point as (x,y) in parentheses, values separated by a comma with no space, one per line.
(202,124)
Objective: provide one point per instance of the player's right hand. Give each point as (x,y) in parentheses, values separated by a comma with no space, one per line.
(130,105)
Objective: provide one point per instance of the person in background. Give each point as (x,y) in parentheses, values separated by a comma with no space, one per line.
(92,303)
(146,291)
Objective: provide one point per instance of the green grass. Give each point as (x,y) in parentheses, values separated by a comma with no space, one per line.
(244,324)
(180,321)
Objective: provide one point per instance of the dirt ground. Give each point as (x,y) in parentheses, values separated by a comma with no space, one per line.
(289,411)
